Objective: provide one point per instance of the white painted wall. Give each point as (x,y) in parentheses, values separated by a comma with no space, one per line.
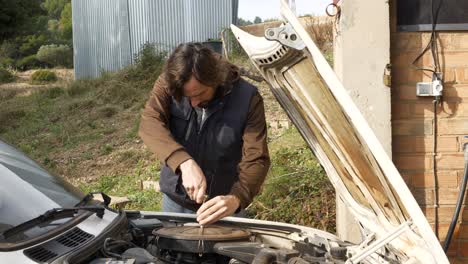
(361,52)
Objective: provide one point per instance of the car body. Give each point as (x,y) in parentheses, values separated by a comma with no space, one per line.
(83,230)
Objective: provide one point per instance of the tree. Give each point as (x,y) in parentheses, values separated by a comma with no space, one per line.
(257,20)
(66,27)
(242,22)
(17,17)
(31,43)
(54,7)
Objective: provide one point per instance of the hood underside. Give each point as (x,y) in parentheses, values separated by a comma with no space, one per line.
(360,170)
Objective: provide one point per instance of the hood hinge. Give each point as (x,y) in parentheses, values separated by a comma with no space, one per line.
(286,35)
(367,247)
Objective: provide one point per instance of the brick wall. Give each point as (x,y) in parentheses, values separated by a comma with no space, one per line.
(413,125)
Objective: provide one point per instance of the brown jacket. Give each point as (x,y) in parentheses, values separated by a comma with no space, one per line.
(255,162)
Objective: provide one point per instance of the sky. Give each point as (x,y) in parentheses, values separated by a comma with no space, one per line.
(249,9)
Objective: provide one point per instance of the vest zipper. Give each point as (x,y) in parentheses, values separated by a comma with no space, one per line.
(207,115)
(190,125)
(203,120)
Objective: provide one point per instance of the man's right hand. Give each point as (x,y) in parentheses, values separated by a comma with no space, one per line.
(193,180)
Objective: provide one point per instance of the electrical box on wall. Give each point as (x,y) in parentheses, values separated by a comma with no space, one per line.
(434,88)
(417,15)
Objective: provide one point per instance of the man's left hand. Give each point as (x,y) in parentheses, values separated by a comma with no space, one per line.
(217,208)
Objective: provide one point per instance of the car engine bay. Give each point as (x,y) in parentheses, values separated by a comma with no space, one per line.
(159,240)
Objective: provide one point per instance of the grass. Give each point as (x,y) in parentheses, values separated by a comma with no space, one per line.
(297,189)
(129,185)
(43,77)
(87,132)
(7,94)
(87,123)
(45,117)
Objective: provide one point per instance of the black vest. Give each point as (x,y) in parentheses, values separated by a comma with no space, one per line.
(216,146)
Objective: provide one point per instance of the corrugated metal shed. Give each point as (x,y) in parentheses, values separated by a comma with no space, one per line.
(108,33)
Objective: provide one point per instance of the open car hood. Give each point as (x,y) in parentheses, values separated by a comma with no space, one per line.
(362,173)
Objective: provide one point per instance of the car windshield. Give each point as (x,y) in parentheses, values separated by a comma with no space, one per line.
(27,190)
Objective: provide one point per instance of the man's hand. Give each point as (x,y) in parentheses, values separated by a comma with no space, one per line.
(193,180)
(217,208)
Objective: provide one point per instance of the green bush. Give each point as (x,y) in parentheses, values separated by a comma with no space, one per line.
(7,52)
(6,76)
(28,63)
(56,55)
(236,52)
(7,62)
(148,62)
(30,44)
(7,49)
(130,86)
(43,76)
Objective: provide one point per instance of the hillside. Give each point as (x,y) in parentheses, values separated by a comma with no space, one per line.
(86,131)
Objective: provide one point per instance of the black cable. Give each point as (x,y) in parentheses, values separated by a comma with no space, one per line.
(111,244)
(432,44)
(107,252)
(435,49)
(434,169)
(461,197)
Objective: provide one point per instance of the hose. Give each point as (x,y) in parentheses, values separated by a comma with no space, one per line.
(461,196)
(265,256)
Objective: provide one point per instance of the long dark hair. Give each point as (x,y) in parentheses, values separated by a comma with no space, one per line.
(194,59)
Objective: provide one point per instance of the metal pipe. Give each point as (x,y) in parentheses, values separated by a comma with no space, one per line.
(461,196)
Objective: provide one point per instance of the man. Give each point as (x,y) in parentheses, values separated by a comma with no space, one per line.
(207,125)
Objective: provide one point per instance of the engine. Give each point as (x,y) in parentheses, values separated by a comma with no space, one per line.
(149,241)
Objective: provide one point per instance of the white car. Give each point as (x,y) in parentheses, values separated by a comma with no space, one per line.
(45,220)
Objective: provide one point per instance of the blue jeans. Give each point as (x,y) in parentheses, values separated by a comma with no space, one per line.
(168,205)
